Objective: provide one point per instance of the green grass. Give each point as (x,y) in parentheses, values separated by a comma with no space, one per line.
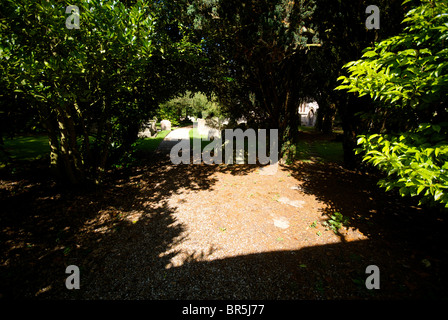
(151,144)
(36,147)
(319,150)
(26,148)
(204,142)
(306,129)
(330,151)
(326,151)
(195,135)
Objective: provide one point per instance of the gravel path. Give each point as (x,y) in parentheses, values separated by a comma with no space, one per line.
(214,232)
(164,231)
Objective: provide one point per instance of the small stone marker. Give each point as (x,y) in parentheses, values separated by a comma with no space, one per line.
(149,130)
(201,128)
(152,127)
(165,125)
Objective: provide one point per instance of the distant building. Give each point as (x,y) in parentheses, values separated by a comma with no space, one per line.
(308,113)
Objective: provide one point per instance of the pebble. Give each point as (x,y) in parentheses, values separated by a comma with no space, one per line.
(281,222)
(294,203)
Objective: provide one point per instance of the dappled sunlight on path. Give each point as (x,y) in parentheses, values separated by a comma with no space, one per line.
(164,231)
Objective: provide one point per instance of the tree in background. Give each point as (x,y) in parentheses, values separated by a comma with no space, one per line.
(266,57)
(93,86)
(197,105)
(257,53)
(406,77)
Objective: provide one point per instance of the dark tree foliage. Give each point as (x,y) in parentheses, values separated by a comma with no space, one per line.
(266,57)
(92,86)
(344,36)
(257,58)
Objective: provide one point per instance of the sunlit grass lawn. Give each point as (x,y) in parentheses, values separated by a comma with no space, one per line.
(150,144)
(319,150)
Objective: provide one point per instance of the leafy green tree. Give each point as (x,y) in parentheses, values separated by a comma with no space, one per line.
(93,86)
(196,104)
(406,76)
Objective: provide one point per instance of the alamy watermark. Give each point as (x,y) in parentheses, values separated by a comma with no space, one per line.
(72,21)
(373,280)
(373,20)
(72,281)
(213,152)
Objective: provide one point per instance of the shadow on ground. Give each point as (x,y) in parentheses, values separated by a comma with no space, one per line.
(413,237)
(123,235)
(46,227)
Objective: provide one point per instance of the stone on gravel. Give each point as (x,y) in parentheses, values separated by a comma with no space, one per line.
(294,203)
(281,222)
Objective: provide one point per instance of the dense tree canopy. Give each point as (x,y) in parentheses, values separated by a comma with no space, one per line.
(256,53)
(92,86)
(266,57)
(342,30)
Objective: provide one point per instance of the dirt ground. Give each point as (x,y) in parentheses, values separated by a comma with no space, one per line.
(161,231)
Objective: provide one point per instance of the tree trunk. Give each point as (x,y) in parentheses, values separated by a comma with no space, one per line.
(101,168)
(325,114)
(87,156)
(68,151)
(2,148)
(54,146)
(103,145)
(289,126)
